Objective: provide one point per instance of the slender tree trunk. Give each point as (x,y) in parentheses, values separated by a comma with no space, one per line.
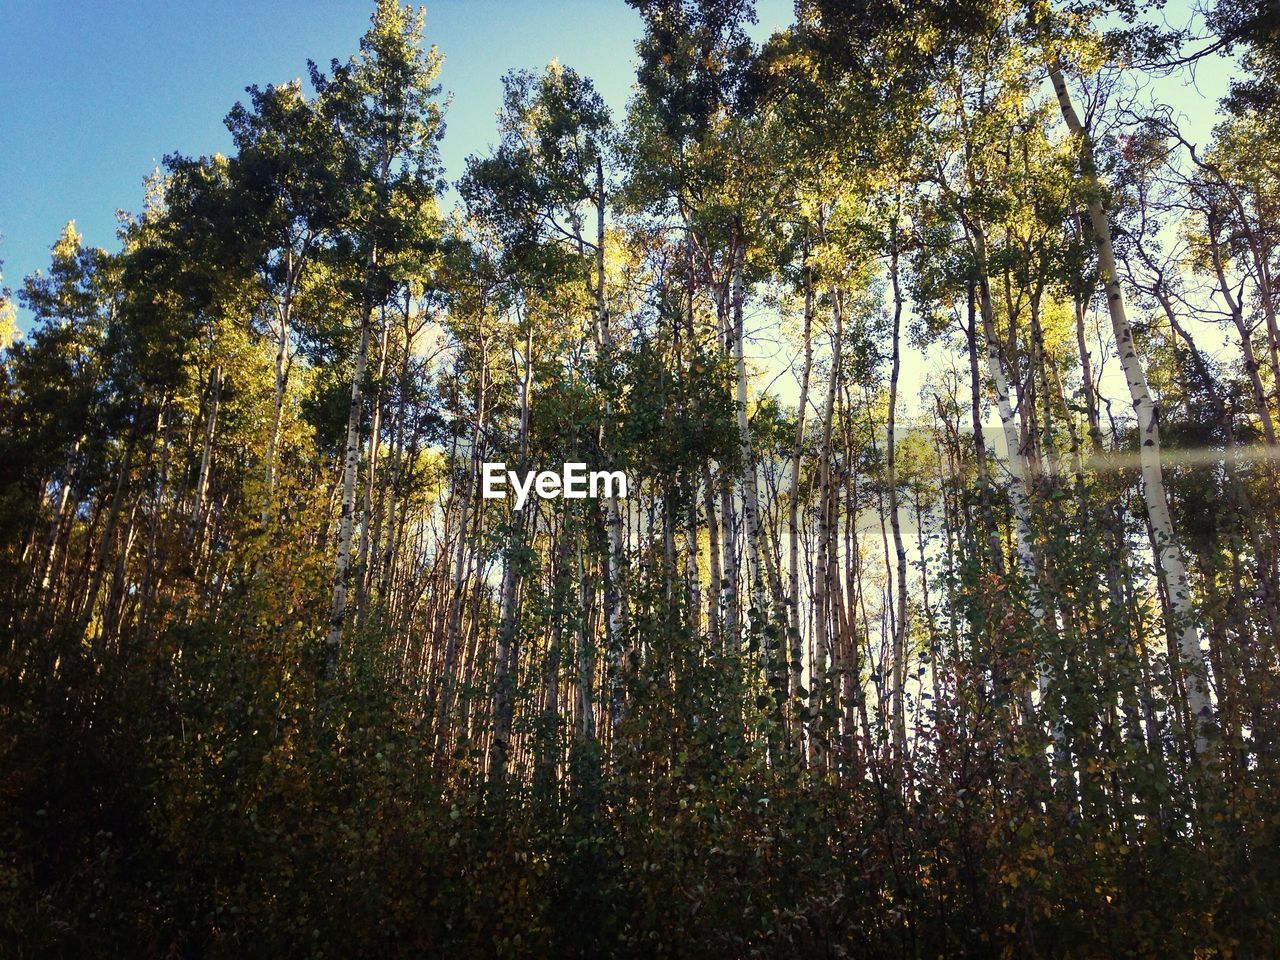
(1018,470)
(506,659)
(586,654)
(108,533)
(715,575)
(991,528)
(793,500)
(206,453)
(453,628)
(371,472)
(615,589)
(826,519)
(750,493)
(1246,339)
(1169,554)
(900,632)
(282,364)
(729,563)
(350,467)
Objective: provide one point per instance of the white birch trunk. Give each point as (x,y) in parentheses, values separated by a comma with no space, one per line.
(1169,554)
(350,466)
(206,454)
(899,692)
(615,595)
(750,492)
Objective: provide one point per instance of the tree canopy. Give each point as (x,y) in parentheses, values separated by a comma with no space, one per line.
(940,617)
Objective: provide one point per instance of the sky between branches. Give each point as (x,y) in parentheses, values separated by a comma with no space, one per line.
(92,100)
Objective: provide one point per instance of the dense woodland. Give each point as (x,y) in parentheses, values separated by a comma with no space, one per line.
(941,618)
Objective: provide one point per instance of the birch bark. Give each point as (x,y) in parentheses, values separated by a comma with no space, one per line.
(1169,558)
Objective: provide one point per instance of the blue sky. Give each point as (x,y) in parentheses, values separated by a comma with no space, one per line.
(94,94)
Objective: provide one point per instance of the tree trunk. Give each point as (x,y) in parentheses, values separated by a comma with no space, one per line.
(206,453)
(1169,554)
(899,692)
(506,658)
(350,467)
(793,500)
(750,493)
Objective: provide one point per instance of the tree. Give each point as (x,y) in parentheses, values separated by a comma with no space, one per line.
(382,105)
